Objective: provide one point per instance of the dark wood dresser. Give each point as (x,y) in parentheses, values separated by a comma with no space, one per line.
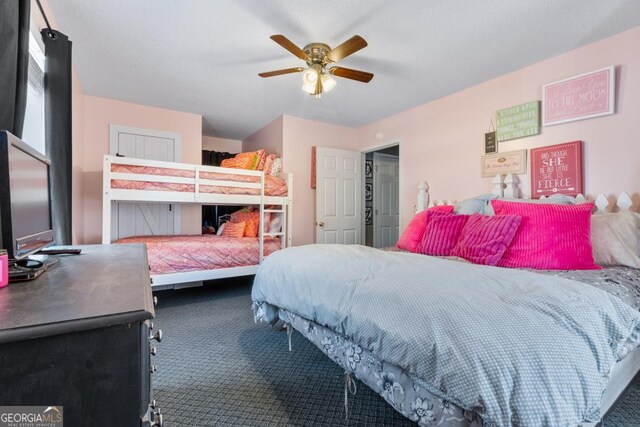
(79,336)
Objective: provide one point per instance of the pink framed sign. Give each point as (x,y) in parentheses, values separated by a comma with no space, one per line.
(557,169)
(581,97)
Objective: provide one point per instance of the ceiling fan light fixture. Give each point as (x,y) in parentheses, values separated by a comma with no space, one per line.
(316,78)
(310,76)
(310,88)
(328,82)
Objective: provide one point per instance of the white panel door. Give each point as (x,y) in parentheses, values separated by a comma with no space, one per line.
(338,183)
(135,219)
(386,202)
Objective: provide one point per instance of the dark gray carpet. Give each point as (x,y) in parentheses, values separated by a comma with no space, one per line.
(217,368)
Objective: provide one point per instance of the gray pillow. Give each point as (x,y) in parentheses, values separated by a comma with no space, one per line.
(473,205)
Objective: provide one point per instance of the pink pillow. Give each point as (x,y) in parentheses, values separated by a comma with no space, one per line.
(485,239)
(268,164)
(442,233)
(412,235)
(550,237)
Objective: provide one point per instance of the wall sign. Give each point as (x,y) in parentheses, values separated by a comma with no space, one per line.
(518,121)
(490,143)
(557,169)
(581,97)
(504,163)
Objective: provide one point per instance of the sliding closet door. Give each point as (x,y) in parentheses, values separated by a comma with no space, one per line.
(135,219)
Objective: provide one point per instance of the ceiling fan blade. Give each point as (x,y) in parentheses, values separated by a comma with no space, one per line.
(280,72)
(288,44)
(348,73)
(352,45)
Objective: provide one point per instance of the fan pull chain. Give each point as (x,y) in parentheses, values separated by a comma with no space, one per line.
(289,332)
(349,387)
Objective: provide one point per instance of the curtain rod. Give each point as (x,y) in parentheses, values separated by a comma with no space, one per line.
(46,20)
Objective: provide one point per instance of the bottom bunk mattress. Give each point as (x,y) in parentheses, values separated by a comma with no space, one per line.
(448,343)
(183,253)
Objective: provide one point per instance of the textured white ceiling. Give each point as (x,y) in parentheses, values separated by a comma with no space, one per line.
(203,56)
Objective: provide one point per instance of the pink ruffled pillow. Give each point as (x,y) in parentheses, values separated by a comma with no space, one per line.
(485,239)
(442,233)
(550,237)
(412,235)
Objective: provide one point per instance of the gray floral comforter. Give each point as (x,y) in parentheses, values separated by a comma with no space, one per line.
(623,282)
(505,344)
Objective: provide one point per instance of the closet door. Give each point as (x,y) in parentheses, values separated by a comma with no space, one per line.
(135,219)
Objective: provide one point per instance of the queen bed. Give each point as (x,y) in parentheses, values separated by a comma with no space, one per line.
(457,344)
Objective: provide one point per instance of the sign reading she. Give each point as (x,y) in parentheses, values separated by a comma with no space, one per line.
(581,97)
(518,121)
(557,169)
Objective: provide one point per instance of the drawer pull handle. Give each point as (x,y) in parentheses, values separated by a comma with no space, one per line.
(157,335)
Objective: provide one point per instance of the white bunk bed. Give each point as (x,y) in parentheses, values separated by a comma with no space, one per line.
(189,178)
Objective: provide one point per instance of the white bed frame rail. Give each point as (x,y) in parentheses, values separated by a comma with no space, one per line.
(111,195)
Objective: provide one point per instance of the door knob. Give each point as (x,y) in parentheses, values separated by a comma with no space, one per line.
(321,224)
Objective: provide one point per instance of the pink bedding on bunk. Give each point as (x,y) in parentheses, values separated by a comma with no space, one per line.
(273,185)
(182,253)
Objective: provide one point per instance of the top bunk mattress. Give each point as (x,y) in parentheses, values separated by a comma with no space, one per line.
(273,185)
(183,253)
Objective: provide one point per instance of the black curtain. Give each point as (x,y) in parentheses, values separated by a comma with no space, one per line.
(214,158)
(57,113)
(210,214)
(14,64)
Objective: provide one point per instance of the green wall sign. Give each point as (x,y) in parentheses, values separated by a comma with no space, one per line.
(518,121)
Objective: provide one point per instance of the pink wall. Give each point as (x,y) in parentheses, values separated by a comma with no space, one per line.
(299,135)
(442,141)
(269,138)
(221,144)
(99,113)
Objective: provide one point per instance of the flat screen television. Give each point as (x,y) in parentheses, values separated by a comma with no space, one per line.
(25,198)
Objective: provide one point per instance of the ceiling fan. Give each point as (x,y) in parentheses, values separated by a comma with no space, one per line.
(316,76)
